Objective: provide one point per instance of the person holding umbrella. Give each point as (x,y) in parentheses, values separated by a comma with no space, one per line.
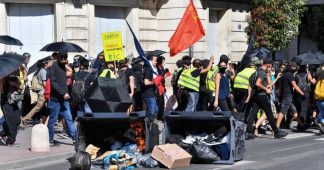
(38,84)
(59,98)
(11,95)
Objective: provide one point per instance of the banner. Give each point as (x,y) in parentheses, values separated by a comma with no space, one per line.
(189,31)
(113,46)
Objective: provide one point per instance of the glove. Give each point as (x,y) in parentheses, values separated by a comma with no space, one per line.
(167,74)
(160,89)
(158,80)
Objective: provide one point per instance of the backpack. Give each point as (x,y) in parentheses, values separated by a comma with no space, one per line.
(319,90)
(47,92)
(302,83)
(253,79)
(36,84)
(78,89)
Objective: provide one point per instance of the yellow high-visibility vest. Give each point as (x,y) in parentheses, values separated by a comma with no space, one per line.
(105,72)
(241,80)
(188,81)
(210,80)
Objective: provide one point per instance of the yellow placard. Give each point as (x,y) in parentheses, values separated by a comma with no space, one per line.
(113,46)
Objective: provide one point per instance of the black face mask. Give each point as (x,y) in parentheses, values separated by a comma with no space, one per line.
(293,70)
(222,70)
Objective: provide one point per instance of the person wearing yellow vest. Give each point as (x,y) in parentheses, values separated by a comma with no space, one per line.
(318,81)
(241,84)
(189,80)
(205,94)
(109,71)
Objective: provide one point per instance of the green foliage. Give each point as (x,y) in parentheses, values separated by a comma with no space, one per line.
(314,24)
(274,23)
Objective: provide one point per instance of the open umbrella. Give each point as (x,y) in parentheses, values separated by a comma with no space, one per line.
(309,58)
(8,40)
(154,53)
(10,62)
(108,95)
(62,47)
(35,66)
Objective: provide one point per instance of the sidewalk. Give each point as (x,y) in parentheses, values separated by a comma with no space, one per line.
(18,157)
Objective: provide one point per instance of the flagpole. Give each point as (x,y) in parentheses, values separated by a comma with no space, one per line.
(208,44)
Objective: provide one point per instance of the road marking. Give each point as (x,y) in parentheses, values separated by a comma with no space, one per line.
(319,139)
(298,135)
(239,163)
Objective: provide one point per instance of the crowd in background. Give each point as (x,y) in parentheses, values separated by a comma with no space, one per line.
(264,92)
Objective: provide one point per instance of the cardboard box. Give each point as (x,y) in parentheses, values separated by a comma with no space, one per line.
(171,156)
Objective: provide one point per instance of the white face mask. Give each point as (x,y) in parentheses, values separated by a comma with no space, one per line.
(273,73)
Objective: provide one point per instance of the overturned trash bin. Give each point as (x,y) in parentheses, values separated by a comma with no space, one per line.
(222,132)
(109,131)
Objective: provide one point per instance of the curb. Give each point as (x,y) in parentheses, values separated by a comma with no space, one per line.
(34,161)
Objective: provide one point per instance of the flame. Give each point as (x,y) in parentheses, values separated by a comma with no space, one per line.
(138,126)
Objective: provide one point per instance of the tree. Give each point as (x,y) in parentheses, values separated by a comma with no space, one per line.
(314,24)
(274,23)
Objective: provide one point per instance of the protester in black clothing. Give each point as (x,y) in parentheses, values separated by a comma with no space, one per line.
(204,94)
(182,95)
(59,98)
(149,88)
(137,69)
(288,84)
(302,103)
(11,90)
(87,78)
(262,100)
(160,98)
(128,76)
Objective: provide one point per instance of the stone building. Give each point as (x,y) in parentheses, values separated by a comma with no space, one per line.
(39,22)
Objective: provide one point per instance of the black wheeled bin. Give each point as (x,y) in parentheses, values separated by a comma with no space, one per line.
(184,123)
(99,128)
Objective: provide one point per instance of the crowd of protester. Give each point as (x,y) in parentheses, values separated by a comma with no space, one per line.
(267,93)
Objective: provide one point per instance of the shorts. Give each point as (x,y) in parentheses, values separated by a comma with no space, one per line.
(287,105)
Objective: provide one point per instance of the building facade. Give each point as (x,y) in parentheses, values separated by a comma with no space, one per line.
(39,22)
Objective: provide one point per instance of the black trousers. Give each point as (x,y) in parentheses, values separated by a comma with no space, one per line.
(240,96)
(205,100)
(12,116)
(182,99)
(138,106)
(160,103)
(261,101)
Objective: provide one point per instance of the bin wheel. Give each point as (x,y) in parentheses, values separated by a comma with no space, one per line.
(80,144)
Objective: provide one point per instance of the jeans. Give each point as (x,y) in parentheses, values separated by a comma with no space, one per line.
(151,107)
(320,106)
(192,101)
(56,108)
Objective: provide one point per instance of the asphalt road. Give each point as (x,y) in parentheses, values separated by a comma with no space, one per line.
(299,151)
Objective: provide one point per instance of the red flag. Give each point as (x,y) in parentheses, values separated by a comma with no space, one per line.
(189,31)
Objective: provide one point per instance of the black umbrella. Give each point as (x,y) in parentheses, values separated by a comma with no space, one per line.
(154,53)
(36,65)
(62,47)
(10,62)
(108,95)
(8,40)
(309,58)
